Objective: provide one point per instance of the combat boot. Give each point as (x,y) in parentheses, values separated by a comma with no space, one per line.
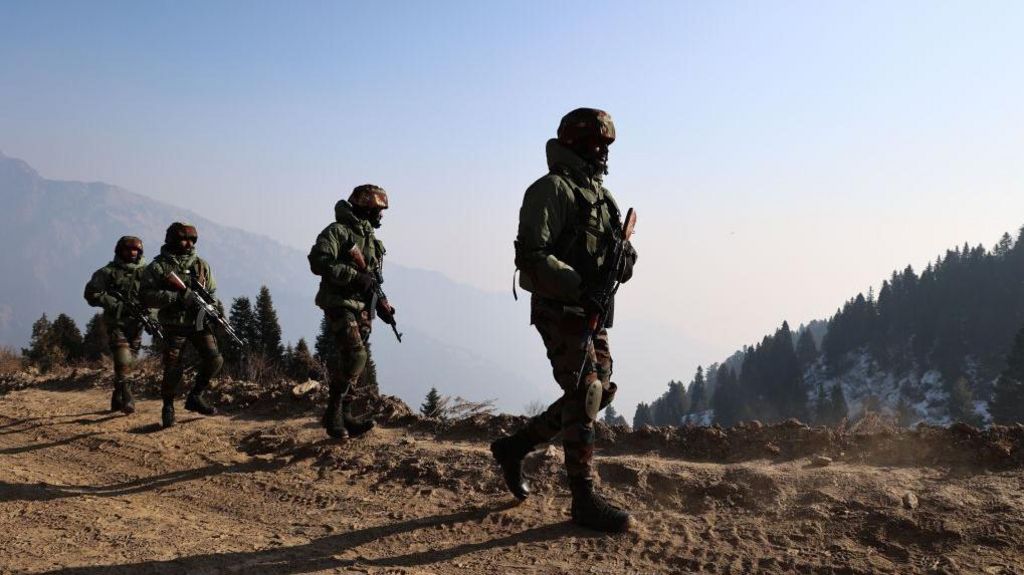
(117,397)
(591,510)
(128,401)
(355,426)
(509,452)
(195,402)
(333,420)
(167,414)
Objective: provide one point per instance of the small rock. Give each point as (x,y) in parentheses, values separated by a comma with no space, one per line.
(910,500)
(821,461)
(306,387)
(407,440)
(773,449)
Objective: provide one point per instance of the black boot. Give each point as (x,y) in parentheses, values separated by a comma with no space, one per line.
(127,400)
(591,510)
(117,398)
(355,426)
(509,452)
(195,402)
(167,414)
(333,420)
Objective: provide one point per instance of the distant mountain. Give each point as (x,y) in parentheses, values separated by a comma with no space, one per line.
(462,340)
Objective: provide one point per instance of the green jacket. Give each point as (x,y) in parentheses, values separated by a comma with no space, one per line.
(119,276)
(156,293)
(329,259)
(566,225)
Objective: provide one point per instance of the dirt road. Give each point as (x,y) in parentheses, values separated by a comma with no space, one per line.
(86,492)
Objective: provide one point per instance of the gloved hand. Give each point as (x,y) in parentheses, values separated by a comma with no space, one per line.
(364,282)
(385,311)
(629,257)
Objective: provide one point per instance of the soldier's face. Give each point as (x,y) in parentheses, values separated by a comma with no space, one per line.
(130,253)
(185,243)
(595,152)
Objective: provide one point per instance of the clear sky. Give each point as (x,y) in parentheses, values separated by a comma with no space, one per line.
(782,155)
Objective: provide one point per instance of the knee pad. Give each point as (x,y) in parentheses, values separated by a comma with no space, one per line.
(608,394)
(593,395)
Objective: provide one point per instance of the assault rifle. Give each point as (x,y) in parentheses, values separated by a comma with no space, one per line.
(607,284)
(378,300)
(139,314)
(206,303)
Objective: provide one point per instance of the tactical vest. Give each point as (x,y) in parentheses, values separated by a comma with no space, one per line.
(584,244)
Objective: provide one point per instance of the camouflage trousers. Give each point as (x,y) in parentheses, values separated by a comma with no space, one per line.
(125,343)
(210,362)
(350,331)
(562,331)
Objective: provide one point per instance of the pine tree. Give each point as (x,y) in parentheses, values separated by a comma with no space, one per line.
(243,321)
(67,336)
(961,402)
(727,402)
(806,349)
(698,392)
(95,343)
(303,366)
(612,417)
(642,416)
(432,406)
(268,328)
(43,350)
(822,407)
(839,410)
(324,345)
(1007,405)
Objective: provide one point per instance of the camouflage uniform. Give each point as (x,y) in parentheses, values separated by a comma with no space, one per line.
(568,225)
(124,333)
(178,320)
(565,225)
(346,302)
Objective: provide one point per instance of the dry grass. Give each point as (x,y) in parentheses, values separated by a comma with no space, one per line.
(10,360)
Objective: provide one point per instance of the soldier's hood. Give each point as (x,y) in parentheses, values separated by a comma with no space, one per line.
(118,262)
(562,158)
(343,214)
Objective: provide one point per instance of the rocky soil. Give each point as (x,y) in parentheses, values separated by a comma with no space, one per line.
(261,490)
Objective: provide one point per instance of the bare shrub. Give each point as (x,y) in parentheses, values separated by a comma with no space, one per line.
(534,408)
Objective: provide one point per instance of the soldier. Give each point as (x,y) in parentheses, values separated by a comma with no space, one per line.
(178,314)
(115,288)
(345,295)
(567,225)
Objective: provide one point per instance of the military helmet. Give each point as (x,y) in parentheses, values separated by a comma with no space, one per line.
(181,230)
(584,124)
(128,242)
(369,196)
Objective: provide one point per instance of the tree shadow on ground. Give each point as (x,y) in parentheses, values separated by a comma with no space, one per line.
(321,554)
(43,420)
(47,492)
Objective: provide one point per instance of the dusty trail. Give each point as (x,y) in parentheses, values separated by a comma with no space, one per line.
(86,492)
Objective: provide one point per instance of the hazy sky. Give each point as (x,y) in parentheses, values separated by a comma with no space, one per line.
(782,156)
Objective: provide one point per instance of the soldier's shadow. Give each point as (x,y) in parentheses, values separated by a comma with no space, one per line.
(321,554)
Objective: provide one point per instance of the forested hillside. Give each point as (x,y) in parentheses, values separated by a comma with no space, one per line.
(927,347)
